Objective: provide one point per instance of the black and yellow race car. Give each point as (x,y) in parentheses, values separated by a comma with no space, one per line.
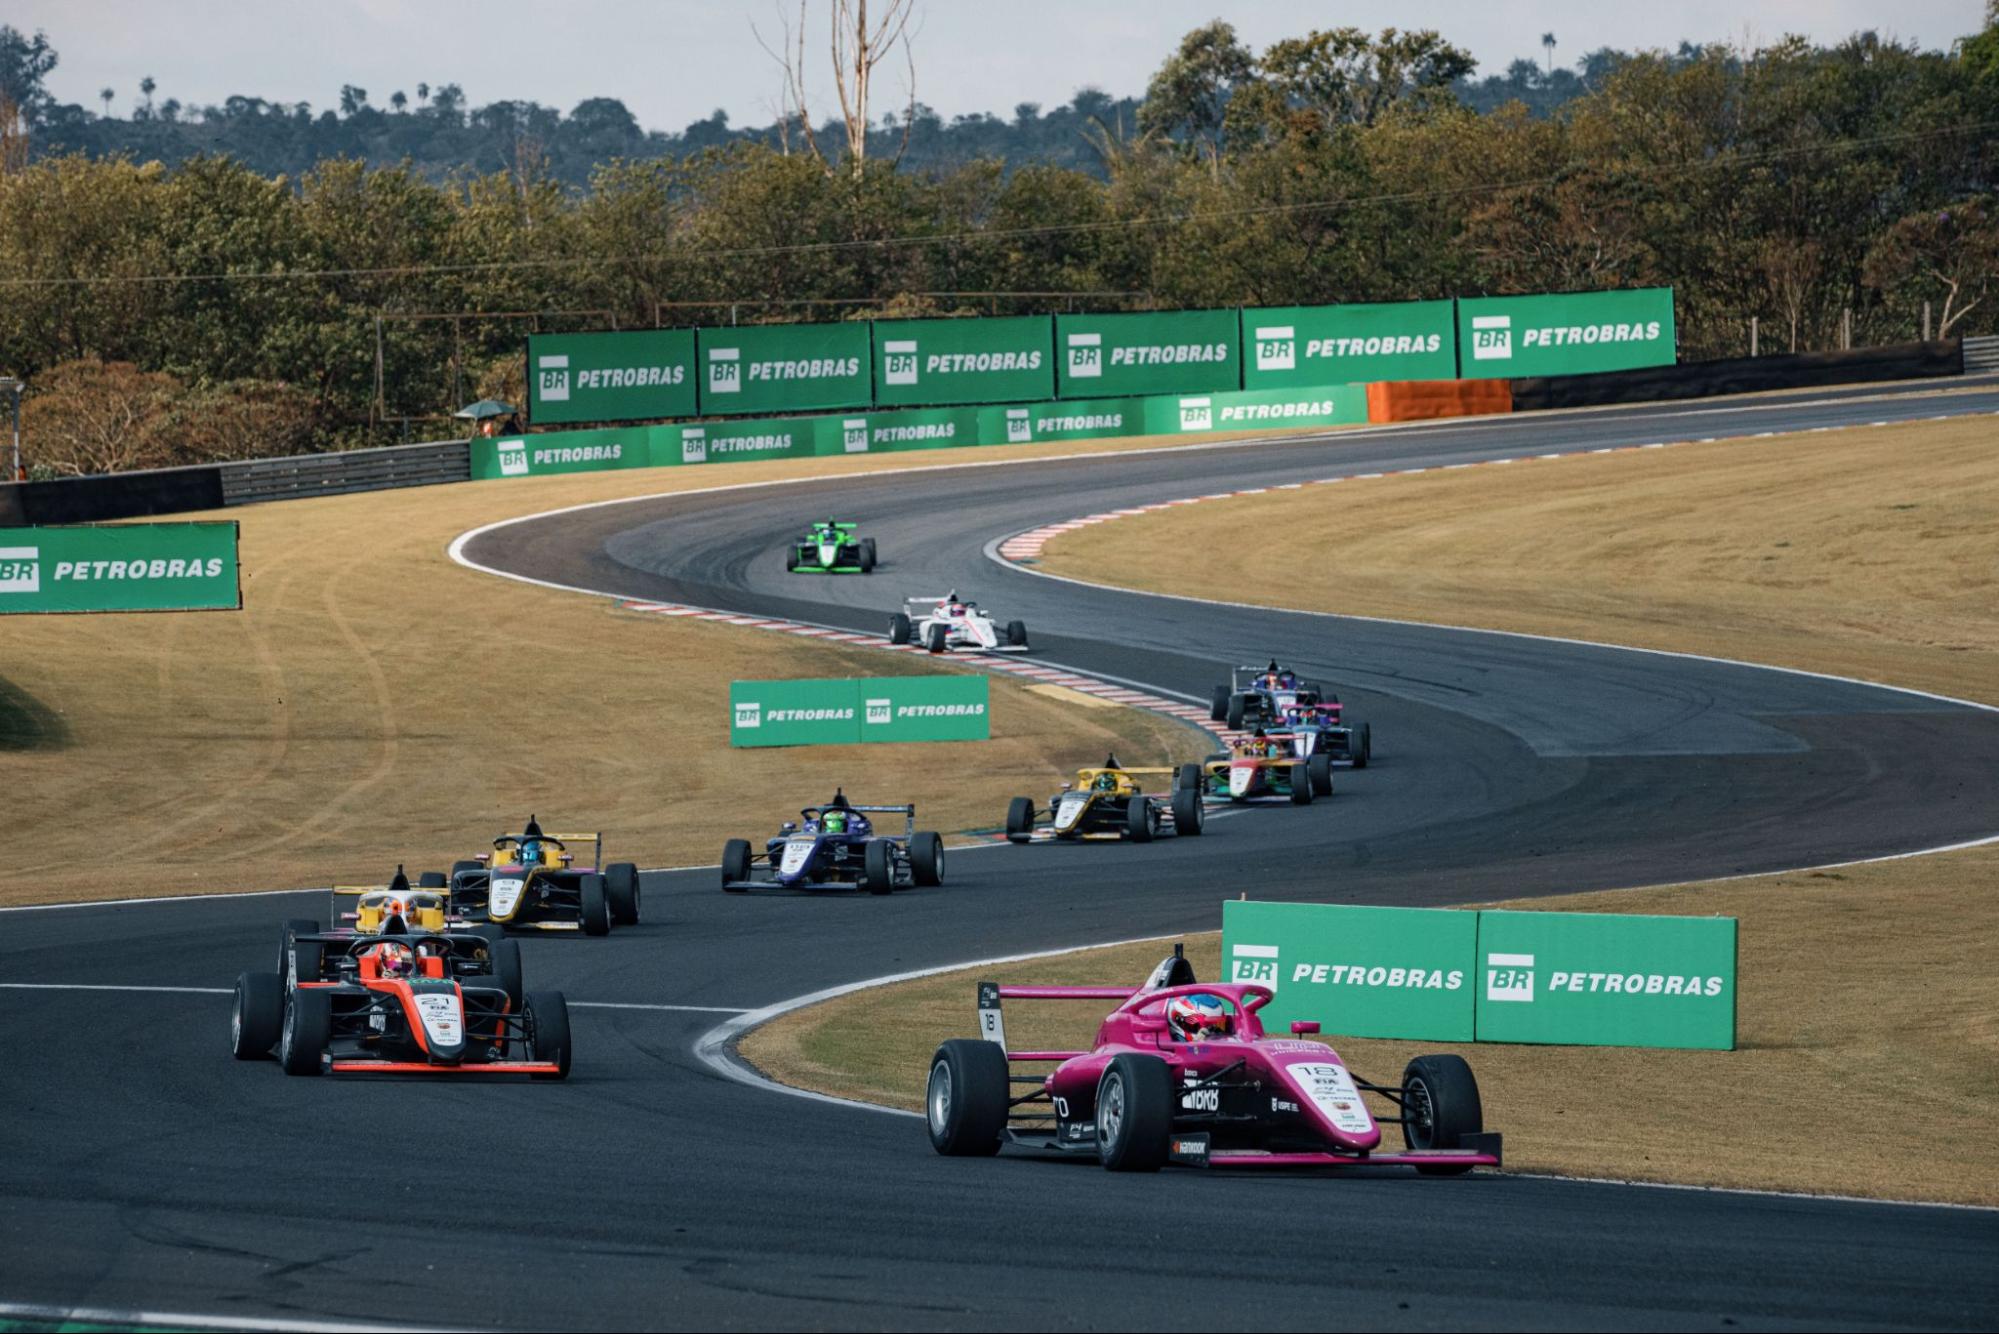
(530,882)
(1109,803)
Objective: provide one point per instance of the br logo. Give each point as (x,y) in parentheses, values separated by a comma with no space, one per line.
(1509,977)
(1491,337)
(725,370)
(20,569)
(694,448)
(1277,348)
(1196,414)
(854,434)
(554,379)
(1254,963)
(899,362)
(881,711)
(514,458)
(749,714)
(1019,426)
(1086,356)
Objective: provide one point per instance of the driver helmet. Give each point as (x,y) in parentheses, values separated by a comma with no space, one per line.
(1106,782)
(835,821)
(1199,1017)
(1294,716)
(395,959)
(530,852)
(1287,679)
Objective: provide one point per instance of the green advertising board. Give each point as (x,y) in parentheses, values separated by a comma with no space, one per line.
(610,377)
(864,709)
(892,432)
(919,362)
(1361,972)
(1326,405)
(1286,347)
(120,567)
(785,368)
(1170,352)
(1085,420)
(562,451)
(1577,333)
(733,441)
(1603,979)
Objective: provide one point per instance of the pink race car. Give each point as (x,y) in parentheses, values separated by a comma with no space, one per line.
(1183,1072)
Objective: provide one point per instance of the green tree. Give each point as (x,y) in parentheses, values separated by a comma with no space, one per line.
(1188,98)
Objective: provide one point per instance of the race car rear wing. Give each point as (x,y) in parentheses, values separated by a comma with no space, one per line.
(1172,971)
(908,812)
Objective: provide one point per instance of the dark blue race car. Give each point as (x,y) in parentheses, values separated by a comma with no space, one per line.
(837,847)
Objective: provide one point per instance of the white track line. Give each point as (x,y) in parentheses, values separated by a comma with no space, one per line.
(86,986)
(115,1315)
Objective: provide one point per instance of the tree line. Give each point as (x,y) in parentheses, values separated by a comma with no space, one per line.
(176,308)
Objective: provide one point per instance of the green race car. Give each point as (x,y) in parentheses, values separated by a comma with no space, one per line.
(831,548)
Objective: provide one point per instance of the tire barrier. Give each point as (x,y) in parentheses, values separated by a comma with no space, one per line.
(1424,400)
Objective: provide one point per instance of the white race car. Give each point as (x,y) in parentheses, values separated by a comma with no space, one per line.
(940,624)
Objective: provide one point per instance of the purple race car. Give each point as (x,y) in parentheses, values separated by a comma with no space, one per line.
(1183,1073)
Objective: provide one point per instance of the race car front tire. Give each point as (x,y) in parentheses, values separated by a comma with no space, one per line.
(1138,820)
(1301,785)
(1218,709)
(1016,634)
(504,956)
(1442,1105)
(935,638)
(1134,1113)
(460,868)
(735,864)
(1020,820)
(296,926)
(596,906)
(965,1099)
(926,859)
(258,1016)
(1188,810)
(899,628)
(621,882)
(548,1032)
(1320,767)
(431,880)
(1363,751)
(868,557)
(878,867)
(1236,707)
(308,1026)
(1189,776)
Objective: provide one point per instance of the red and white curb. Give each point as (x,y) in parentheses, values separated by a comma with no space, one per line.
(1025,548)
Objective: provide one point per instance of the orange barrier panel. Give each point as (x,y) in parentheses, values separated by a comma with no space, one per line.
(1417,400)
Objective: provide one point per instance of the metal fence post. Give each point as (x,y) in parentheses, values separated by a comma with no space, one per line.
(1752,335)
(1926,321)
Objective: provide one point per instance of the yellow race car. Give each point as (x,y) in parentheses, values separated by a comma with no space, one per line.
(1108,803)
(530,881)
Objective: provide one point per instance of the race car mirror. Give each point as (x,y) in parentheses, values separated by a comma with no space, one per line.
(1301,1027)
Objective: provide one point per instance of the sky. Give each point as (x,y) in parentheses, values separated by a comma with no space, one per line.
(673,62)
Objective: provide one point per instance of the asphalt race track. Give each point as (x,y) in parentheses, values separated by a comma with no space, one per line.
(144,1169)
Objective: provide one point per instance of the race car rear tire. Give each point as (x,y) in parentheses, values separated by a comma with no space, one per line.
(965,1099)
(1301,785)
(461,867)
(1364,750)
(1189,812)
(1218,708)
(621,882)
(1320,767)
(934,638)
(1134,1113)
(1235,712)
(735,864)
(1016,633)
(258,1016)
(1442,1102)
(296,926)
(926,859)
(867,555)
(1020,820)
(1188,776)
(548,1032)
(899,628)
(431,880)
(596,906)
(505,957)
(1138,820)
(307,1027)
(878,867)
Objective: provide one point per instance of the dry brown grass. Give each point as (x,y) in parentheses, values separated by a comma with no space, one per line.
(375,703)
(1869,552)
(1870,1054)
(1869,1058)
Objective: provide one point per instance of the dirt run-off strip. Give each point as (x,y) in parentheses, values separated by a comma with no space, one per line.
(1869,1062)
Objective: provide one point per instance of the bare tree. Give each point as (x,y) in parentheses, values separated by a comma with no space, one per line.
(857,47)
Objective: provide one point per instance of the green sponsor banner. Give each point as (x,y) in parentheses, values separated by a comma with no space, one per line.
(1502,337)
(733,441)
(1289,346)
(1602,979)
(842,712)
(1088,419)
(562,451)
(785,368)
(120,567)
(1361,972)
(1007,360)
(1173,352)
(925,708)
(610,377)
(1327,405)
(888,432)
